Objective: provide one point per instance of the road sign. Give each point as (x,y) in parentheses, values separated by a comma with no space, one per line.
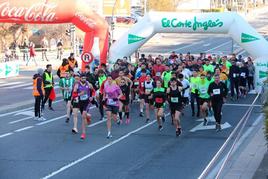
(87,57)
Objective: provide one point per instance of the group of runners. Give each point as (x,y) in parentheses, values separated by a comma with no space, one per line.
(158,84)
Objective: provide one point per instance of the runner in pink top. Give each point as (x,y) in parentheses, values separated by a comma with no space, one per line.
(111,95)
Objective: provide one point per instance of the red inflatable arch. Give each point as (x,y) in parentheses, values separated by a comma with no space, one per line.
(59,11)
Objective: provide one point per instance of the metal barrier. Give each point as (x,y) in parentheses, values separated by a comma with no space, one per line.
(242,123)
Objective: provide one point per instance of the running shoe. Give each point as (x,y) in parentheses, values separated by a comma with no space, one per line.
(141,114)
(83,136)
(160,128)
(36,119)
(147,120)
(109,135)
(127,121)
(67,120)
(51,109)
(118,121)
(205,122)
(178,132)
(218,126)
(74,131)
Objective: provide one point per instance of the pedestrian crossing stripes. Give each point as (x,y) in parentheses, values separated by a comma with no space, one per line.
(23,85)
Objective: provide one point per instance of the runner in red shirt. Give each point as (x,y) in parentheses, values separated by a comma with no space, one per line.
(142,79)
(158,69)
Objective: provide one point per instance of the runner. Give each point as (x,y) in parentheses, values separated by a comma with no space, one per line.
(72,61)
(218,92)
(159,98)
(166,76)
(234,74)
(124,100)
(185,91)
(101,78)
(204,98)
(141,91)
(63,68)
(175,103)
(243,79)
(85,92)
(66,84)
(111,96)
(149,85)
(75,102)
(158,69)
(194,80)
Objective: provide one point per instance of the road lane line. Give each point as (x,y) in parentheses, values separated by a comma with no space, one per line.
(218,46)
(21,110)
(23,119)
(24,129)
(5,135)
(51,120)
(186,46)
(242,105)
(96,151)
(99,150)
(18,86)
(9,84)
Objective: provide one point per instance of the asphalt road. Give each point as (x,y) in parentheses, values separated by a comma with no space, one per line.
(31,149)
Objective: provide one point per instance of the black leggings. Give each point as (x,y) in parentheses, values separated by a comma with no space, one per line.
(37,106)
(47,93)
(234,85)
(250,83)
(217,106)
(194,97)
(101,105)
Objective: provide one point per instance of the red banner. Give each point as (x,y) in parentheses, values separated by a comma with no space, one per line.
(59,11)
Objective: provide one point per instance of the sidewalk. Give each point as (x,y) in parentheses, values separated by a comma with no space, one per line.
(245,165)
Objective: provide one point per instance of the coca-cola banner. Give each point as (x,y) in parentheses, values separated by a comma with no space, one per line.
(59,11)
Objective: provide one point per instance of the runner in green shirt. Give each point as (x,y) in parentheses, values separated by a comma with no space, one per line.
(66,84)
(166,76)
(194,96)
(204,97)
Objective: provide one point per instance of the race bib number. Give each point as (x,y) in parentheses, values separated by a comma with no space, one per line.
(216,91)
(243,74)
(174,99)
(194,86)
(84,97)
(136,83)
(203,90)
(111,102)
(159,100)
(158,74)
(148,91)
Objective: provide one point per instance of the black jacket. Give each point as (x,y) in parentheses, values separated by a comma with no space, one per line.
(234,72)
(213,89)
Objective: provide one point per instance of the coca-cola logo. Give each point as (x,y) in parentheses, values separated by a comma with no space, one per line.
(36,12)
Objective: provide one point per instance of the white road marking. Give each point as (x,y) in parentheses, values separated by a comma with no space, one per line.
(12,83)
(18,86)
(5,135)
(96,151)
(49,121)
(210,119)
(200,127)
(25,113)
(23,119)
(206,45)
(21,110)
(24,129)
(242,105)
(218,46)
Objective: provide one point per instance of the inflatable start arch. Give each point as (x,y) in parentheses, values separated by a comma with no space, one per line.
(221,23)
(59,11)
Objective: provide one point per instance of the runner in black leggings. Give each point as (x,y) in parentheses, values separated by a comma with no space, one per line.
(218,92)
